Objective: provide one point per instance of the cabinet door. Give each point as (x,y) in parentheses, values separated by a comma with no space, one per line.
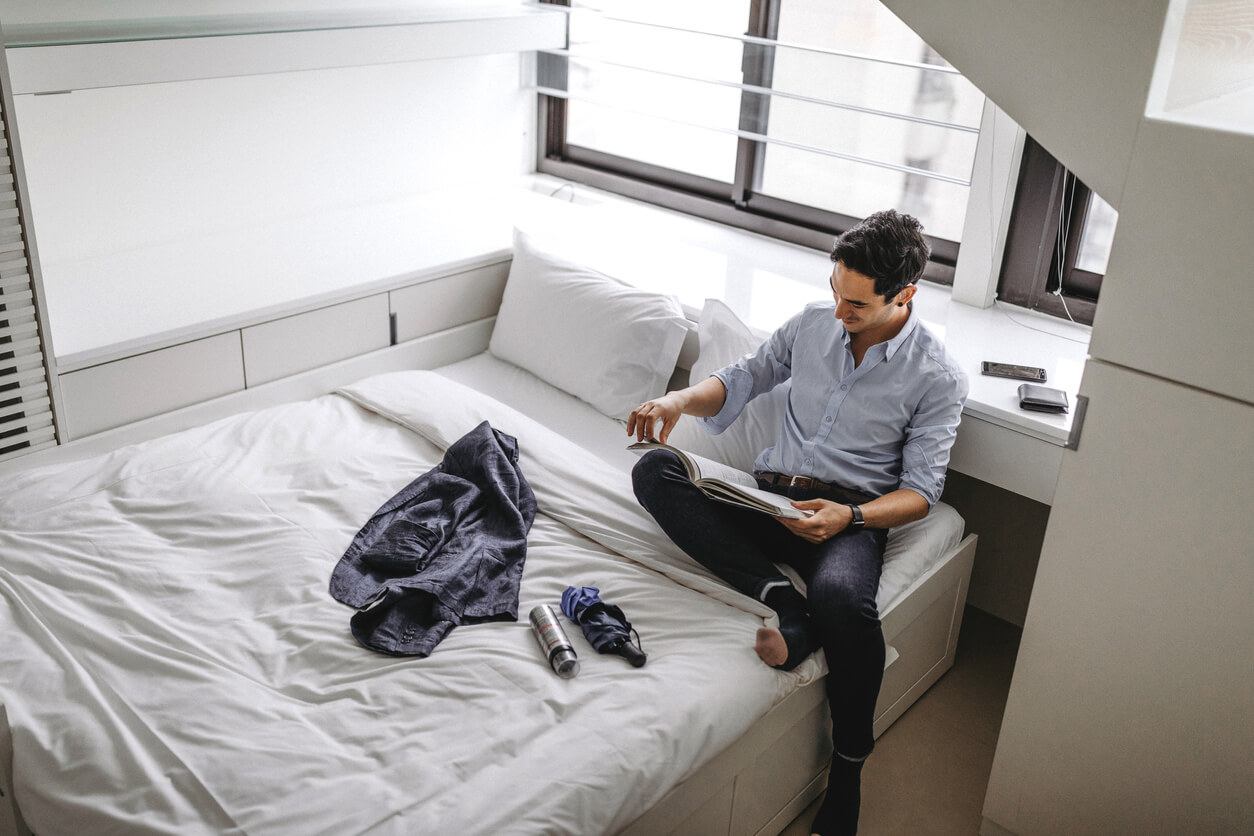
(306,341)
(111,394)
(431,306)
(1130,707)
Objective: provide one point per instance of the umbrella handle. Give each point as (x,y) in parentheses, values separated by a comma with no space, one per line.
(632,654)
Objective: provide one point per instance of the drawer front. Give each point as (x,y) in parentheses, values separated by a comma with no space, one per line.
(112,394)
(306,341)
(441,303)
(1006,458)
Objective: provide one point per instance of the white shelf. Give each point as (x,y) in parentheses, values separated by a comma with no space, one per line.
(57,57)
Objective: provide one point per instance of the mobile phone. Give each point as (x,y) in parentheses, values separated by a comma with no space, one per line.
(1032,373)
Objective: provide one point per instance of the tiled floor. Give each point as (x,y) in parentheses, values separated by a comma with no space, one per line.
(930,770)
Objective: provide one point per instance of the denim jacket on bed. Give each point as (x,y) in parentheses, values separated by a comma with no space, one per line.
(447,550)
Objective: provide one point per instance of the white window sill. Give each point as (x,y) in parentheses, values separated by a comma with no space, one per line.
(191,289)
(766,281)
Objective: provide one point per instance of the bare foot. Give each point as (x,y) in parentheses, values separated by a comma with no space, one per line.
(771,647)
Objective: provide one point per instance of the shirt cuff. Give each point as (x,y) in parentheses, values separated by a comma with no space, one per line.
(738,384)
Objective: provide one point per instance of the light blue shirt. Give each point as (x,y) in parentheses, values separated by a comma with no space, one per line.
(887,424)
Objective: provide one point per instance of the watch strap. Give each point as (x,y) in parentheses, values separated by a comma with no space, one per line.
(857,521)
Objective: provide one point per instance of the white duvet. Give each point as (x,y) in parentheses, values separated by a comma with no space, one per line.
(174,663)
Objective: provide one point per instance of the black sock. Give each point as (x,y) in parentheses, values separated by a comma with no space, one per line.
(794,624)
(839,814)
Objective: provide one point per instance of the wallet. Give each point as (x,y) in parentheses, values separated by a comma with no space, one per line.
(1042,398)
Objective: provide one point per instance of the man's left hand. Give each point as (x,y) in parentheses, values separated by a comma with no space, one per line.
(829,519)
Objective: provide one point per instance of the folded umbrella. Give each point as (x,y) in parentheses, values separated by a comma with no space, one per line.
(604,625)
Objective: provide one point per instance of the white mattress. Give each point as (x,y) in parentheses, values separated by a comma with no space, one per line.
(174,662)
(912,549)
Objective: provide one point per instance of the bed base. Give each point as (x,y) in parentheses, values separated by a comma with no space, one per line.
(763,781)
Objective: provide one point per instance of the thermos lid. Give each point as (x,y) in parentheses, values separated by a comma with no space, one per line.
(565,663)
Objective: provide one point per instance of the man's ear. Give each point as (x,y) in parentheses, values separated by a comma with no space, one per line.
(905,294)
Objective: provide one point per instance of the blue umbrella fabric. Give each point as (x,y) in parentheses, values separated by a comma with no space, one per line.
(604,625)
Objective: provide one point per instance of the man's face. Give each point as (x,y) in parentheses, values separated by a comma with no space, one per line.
(858,307)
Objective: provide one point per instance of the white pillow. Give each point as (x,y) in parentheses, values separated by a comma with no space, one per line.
(724,339)
(586,333)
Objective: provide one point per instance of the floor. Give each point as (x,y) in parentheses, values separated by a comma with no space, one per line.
(930,769)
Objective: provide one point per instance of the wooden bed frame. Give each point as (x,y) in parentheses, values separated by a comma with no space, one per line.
(756,786)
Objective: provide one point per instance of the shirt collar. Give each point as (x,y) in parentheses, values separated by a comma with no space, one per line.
(903,335)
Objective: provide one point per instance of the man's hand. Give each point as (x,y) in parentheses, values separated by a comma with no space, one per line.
(642,422)
(829,519)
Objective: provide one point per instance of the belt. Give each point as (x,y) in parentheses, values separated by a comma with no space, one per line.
(807,482)
(785,481)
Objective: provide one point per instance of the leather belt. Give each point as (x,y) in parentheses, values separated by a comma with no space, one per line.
(785,481)
(810,483)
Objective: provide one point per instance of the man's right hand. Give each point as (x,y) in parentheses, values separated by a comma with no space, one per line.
(643,420)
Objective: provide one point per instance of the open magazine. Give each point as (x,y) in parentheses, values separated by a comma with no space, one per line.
(727,484)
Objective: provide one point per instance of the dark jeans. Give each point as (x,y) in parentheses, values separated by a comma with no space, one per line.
(842,576)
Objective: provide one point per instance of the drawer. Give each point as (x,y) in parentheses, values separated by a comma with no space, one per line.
(1006,458)
(435,305)
(111,394)
(306,341)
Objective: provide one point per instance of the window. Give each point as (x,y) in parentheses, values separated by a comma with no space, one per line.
(1058,242)
(794,118)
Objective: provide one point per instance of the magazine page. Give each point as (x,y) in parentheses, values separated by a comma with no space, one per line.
(756,498)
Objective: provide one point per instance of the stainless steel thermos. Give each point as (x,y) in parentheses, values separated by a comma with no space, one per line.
(553,641)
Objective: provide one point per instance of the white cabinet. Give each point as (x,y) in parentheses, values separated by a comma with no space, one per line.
(101,397)
(305,341)
(1012,460)
(431,306)
(1129,710)
(1176,299)
(122,391)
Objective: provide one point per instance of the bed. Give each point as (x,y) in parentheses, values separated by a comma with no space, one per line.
(175,664)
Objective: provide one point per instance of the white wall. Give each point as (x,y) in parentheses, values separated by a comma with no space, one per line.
(122,168)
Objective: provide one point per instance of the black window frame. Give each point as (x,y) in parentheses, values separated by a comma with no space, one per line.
(1047,221)
(738,204)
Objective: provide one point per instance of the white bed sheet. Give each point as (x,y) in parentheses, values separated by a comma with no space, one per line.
(174,662)
(912,549)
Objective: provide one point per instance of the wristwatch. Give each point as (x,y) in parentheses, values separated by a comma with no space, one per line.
(857,521)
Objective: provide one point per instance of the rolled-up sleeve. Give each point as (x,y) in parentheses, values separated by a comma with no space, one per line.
(930,437)
(754,374)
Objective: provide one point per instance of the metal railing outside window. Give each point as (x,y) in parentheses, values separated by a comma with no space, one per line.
(794,118)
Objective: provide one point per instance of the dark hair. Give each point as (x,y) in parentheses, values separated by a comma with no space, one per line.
(887,247)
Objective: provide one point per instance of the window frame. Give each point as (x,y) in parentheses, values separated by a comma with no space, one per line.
(1039,221)
(738,204)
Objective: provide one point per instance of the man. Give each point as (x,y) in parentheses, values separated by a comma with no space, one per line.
(873,410)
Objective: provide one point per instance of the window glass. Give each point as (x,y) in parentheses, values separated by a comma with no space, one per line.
(1099,233)
(663,96)
(799,115)
(880,82)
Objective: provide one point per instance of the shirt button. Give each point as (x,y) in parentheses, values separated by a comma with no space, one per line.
(827,419)
(844,387)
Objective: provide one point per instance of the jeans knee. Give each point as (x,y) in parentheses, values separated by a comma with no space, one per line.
(841,606)
(649,473)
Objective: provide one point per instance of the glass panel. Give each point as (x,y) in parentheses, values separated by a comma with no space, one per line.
(1098,235)
(630,113)
(868,29)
